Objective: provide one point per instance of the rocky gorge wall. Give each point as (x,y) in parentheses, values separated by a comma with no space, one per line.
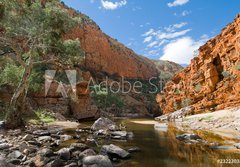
(212,80)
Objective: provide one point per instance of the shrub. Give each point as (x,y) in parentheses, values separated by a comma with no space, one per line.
(44,116)
(105,98)
(238,67)
(198,87)
(11,75)
(177,92)
(186,102)
(226,74)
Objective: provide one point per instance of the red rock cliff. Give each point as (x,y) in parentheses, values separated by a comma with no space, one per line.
(105,54)
(212,80)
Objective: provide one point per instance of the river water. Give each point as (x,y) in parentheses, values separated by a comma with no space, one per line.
(160,148)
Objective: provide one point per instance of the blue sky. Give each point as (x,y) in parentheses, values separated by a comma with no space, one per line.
(160,29)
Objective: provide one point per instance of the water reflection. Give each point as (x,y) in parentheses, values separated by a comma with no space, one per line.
(162,149)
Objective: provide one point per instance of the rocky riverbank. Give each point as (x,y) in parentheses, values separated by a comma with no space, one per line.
(224,123)
(53,146)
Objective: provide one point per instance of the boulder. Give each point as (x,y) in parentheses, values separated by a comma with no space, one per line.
(97,160)
(113,150)
(104,124)
(64,153)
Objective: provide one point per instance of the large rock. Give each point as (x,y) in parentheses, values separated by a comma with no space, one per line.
(212,80)
(104,124)
(97,160)
(64,153)
(113,150)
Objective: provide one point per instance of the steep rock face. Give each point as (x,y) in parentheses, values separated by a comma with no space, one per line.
(104,54)
(212,80)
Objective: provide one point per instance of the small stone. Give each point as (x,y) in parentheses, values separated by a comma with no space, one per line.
(28,137)
(15,155)
(15,161)
(88,152)
(65,137)
(45,152)
(78,146)
(41,132)
(55,163)
(45,139)
(73,164)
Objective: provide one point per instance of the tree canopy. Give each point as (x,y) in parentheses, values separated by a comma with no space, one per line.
(32,36)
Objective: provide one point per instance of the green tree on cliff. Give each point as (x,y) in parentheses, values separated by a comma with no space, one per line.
(32,34)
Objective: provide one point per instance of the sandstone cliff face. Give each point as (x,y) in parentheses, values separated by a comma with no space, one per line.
(212,80)
(104,54)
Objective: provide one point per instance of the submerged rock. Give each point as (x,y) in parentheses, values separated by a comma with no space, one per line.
(134,149)
(186,137)
(113,150)
(237,145)
(97,160)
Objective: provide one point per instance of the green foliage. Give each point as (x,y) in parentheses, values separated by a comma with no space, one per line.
(175,106)
(226,74)
(186,102)
(11,75)
(165,76)
(238,67)
(105,98)
(44,116)
(198,87)
(177,92)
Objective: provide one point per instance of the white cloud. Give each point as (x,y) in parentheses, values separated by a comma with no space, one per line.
(181,50)
(152,44)
(177,3)
(108,5)
(147,39)
(172,35)
(149,32)
(185,13)
(173,27)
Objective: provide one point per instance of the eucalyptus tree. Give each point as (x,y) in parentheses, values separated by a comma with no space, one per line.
(32,32)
